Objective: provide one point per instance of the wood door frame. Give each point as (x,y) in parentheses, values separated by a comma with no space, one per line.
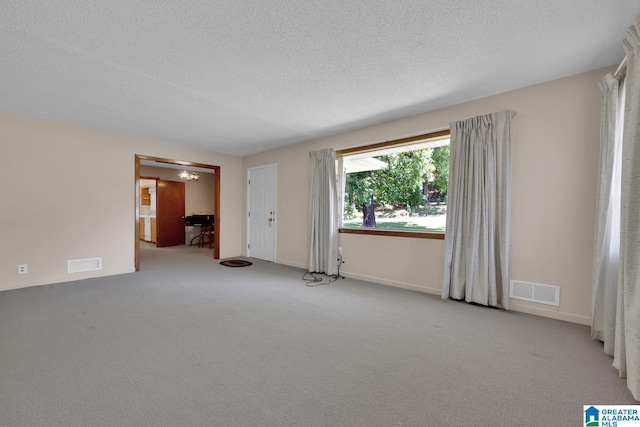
(216,198)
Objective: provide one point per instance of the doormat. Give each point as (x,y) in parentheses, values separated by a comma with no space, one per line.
(235,263)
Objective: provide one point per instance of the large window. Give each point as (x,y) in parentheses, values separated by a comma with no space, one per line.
(396,185)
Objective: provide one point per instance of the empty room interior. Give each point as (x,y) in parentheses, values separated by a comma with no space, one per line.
(144,144)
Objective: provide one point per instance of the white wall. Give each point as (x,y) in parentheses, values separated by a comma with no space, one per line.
(555,154)
(68,193)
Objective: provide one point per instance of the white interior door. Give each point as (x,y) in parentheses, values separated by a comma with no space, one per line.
(262,213)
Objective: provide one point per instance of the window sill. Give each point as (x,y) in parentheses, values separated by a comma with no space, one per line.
(394,233)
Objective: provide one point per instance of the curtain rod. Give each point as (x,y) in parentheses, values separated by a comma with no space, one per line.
(622,68)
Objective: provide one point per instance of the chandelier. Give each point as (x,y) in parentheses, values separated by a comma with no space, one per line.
(189,176)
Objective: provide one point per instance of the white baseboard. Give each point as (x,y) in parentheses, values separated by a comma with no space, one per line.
(543,312)
(394,283)
(291,263)
(514,304)
(65,278)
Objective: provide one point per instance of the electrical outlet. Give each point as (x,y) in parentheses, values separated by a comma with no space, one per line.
(22,269)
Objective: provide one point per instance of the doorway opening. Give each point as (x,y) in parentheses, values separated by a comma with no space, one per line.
(174,164)
(148,203)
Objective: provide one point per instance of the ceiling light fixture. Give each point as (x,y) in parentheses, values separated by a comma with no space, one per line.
(189,176)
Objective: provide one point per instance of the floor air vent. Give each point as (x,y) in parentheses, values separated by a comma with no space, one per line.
(535,292)
(80,265)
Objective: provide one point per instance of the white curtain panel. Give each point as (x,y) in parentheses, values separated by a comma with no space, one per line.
(627,345)
(323,213)
(607,233)
(478,210)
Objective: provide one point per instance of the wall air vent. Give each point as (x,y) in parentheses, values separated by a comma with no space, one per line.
(535,292)
(80,265)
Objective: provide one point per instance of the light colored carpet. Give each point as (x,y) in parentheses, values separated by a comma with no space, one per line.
(187,342)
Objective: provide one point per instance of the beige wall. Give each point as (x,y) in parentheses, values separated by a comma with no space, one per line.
(555,153)
(68,193)
(199,197)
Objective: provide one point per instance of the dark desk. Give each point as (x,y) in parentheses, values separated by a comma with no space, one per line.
(205,222)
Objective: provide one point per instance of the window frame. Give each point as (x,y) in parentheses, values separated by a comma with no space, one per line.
(374,147)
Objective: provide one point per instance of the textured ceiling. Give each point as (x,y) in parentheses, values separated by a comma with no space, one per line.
(241,77)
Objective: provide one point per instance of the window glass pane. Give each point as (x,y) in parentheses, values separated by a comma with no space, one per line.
(399,188)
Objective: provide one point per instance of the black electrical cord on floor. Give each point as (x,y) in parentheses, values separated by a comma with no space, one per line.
(316,280)
(340,262)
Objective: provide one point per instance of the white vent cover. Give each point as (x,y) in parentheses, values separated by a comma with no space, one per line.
(79,265)
(535,292)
